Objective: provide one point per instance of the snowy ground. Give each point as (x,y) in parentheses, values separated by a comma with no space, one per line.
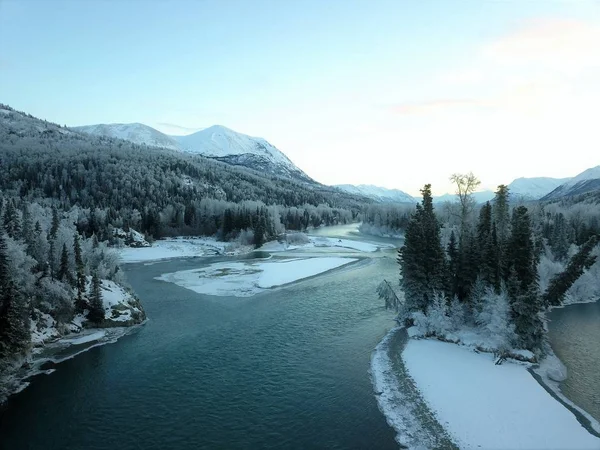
(173,248)
(483,405)
(244,279)
(207,246)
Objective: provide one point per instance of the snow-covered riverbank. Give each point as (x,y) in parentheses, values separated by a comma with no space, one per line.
(208,246)
(54,342)
(479,404)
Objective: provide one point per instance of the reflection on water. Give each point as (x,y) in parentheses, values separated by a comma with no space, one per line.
(575,338)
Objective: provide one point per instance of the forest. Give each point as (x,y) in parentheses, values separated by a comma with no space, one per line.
(492,270)
(63,194)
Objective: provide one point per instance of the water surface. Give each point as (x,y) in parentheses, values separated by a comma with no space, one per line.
(282,369)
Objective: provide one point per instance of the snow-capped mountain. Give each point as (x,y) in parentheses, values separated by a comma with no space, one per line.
(377,193)
(239,149)
(534,188)
(216,142)
(586,181)
(137,133)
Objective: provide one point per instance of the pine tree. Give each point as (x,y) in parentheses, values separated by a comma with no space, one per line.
(96,305)
(64,271)
(452,267)
(421,258)
(55,224)
(79,272)
(12,224)
(501,214)
(522,284)
(15,336)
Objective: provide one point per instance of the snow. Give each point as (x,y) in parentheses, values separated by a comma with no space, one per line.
(489,406)
(534,188)
(400,402)
(207,246)
(84,339)
(589,174)
(173,248)
(243,279)
(43,329)
(377,193)
(137,133)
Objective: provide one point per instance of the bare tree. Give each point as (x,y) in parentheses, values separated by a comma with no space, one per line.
(465,187)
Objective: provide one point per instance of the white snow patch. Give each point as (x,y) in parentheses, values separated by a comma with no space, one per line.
(173,248)
(489,406)
(95,336)
(242,279)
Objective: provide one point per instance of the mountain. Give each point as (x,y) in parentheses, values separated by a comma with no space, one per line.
(534,188)
(587,181)
(480,197)
(216,142)
(137,133)
(221,143)
(377,193)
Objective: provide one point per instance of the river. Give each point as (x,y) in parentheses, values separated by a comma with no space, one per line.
(575,338)
(285,368)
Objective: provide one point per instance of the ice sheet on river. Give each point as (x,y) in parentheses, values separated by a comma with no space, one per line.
(243,279)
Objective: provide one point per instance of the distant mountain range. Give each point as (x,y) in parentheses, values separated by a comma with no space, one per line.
(217,142)
(377,193)
(544,188)
(587,181)
(226,145)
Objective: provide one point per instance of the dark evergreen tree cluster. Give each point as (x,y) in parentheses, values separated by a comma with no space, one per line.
(488,260)
(35,279)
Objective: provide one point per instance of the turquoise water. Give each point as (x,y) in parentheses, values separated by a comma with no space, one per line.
(575,338)
(282,369)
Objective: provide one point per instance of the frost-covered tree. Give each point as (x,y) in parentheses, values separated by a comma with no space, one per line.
(96,305)
(563,281)
(495,320)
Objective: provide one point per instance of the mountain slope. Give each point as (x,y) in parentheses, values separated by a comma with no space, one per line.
(534,188)
(377,193)
(133,132)
(586,181)
(239,149)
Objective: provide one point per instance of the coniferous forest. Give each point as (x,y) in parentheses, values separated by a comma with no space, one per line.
(63,193)
(495,268)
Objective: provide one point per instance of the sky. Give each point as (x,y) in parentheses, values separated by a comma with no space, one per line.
(394,93)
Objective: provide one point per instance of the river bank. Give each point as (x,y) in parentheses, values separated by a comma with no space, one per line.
(499,404)
(53,342)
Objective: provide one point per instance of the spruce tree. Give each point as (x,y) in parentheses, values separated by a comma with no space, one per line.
(452,267)
(421,258)
(64,271)
(522,284)
(96,305)
(12,224)
(79,272)
(15,336)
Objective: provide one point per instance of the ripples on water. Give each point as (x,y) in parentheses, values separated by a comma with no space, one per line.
(287,368)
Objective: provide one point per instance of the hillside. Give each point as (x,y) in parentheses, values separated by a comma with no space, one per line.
(379,194)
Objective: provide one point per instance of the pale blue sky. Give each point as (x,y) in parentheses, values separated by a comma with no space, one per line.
(394,93)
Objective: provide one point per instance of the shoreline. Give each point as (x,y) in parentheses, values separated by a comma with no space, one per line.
(388,385)
(33,364)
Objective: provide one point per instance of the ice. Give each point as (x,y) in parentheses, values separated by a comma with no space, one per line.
(242,279)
